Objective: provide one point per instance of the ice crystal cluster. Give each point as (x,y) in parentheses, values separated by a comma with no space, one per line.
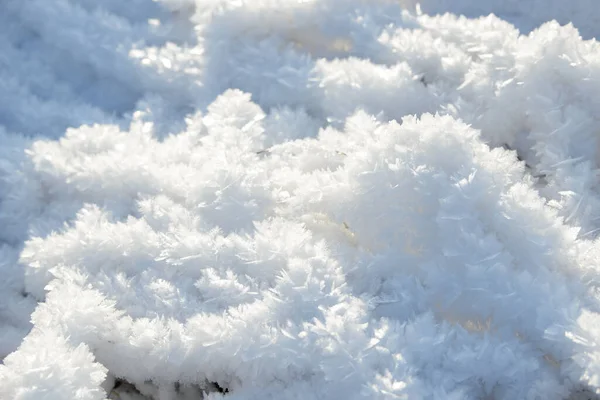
(285,199)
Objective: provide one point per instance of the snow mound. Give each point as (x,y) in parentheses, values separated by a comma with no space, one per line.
(315,199)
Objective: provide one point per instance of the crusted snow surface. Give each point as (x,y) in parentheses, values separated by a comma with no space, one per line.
(319,199)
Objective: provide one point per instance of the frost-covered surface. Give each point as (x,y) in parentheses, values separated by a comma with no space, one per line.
(318,199)
(525,14)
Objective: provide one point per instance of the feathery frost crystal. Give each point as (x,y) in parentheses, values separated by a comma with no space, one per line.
(276,199)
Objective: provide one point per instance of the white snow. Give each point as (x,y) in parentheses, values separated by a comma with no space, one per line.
(317,199)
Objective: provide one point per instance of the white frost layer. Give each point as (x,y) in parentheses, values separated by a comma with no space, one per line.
(314,199)
(526,15)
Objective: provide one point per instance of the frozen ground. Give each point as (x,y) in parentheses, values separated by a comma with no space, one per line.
(318,199)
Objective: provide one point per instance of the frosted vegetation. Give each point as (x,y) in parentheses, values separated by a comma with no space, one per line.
(319,199)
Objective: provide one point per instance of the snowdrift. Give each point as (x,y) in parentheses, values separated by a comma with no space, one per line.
(317,199)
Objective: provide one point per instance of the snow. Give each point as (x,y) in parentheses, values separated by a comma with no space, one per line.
(299,199)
